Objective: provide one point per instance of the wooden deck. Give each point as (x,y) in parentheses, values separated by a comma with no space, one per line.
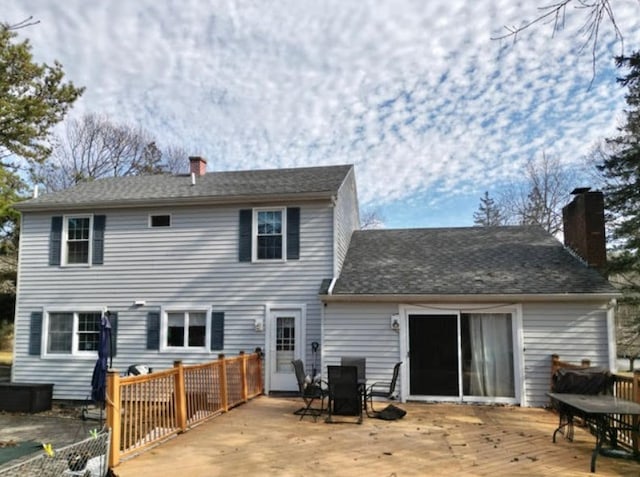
(263,437)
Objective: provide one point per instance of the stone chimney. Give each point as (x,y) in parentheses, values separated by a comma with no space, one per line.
(583,221)
(197,165)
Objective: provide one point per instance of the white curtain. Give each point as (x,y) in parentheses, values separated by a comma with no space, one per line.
(491,355)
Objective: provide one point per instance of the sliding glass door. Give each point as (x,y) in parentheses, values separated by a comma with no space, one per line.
(466,356)
(487,354)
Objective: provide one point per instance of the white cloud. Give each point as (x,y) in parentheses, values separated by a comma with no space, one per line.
(415,93)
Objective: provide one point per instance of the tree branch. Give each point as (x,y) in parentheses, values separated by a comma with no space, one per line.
(27,22)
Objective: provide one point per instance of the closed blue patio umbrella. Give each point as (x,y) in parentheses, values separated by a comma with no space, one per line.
(99,378)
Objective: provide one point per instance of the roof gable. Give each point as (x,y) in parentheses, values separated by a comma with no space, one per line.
(464,261)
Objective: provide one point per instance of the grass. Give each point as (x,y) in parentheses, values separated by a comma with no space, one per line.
(6,357)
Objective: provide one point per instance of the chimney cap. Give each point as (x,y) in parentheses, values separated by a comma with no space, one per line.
(580,190)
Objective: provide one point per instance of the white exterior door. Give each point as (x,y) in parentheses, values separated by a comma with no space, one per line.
(286,343)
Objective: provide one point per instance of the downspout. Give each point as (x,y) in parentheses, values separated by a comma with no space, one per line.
(611,334)
(332,285)
(322,320)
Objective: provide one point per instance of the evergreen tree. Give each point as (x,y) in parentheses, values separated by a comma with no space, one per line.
(621,170)
(33,99)
(488,213)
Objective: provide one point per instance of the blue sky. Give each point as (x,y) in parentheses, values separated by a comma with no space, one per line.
(431,111)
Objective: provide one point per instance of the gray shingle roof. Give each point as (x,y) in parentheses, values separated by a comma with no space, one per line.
(312,182)
(464,261)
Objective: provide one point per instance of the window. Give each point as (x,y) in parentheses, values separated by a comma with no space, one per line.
(270,234)
(186,329)
(285,342)
(78,239)
(160,221)
(73,332)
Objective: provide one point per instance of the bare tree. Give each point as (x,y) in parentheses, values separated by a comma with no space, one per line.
(371,219)
(540,199)
(94,147)
(594,12)
(174,159)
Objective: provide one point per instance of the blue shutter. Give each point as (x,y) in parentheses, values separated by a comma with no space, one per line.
(55,240)
(97,257)
(293,233)
(113,318)
(217,330)
(153,330)
(244,238)
(35,333)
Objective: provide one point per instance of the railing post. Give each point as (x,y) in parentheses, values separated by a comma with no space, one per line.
(113,403)
(223,383)
(555,365)
(635,394)
(181,396)
(243,376)
(259,370)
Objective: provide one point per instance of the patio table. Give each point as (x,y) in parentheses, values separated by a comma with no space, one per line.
(604,412)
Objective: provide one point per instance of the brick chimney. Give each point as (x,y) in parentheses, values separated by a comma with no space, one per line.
(583,221)
(197,165)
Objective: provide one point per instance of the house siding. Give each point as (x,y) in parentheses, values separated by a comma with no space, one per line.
(347,219)
(193,263)
(362,330)
(575,331)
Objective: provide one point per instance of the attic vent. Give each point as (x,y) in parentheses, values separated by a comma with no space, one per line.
(160,221)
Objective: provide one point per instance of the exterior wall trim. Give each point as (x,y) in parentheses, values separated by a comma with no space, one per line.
(485,299)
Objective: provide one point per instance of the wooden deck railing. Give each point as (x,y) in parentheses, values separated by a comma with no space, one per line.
(624,386)
(143,410)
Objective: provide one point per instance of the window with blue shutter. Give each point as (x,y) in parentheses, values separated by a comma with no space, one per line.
(71,237)
(264,232)
(293,233)
(55,240)
(217,331)
(35,333)
(97,257)
(153,330)
(244,238)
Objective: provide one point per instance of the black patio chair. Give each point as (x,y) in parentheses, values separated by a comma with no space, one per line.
(383,389)
(309,391)
(345,397)
(360,363)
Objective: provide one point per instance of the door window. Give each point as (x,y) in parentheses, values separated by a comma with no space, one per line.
(285,342)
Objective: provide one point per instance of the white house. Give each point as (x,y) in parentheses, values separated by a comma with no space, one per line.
(195,265)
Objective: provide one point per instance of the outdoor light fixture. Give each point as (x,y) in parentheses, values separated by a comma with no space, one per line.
(259,324)
(139,303)
(395,322)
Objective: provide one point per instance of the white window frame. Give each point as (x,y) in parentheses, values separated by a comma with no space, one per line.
(65,240)
(150,223)
(458,309)
(254,234)
(75,352)
(164,325)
